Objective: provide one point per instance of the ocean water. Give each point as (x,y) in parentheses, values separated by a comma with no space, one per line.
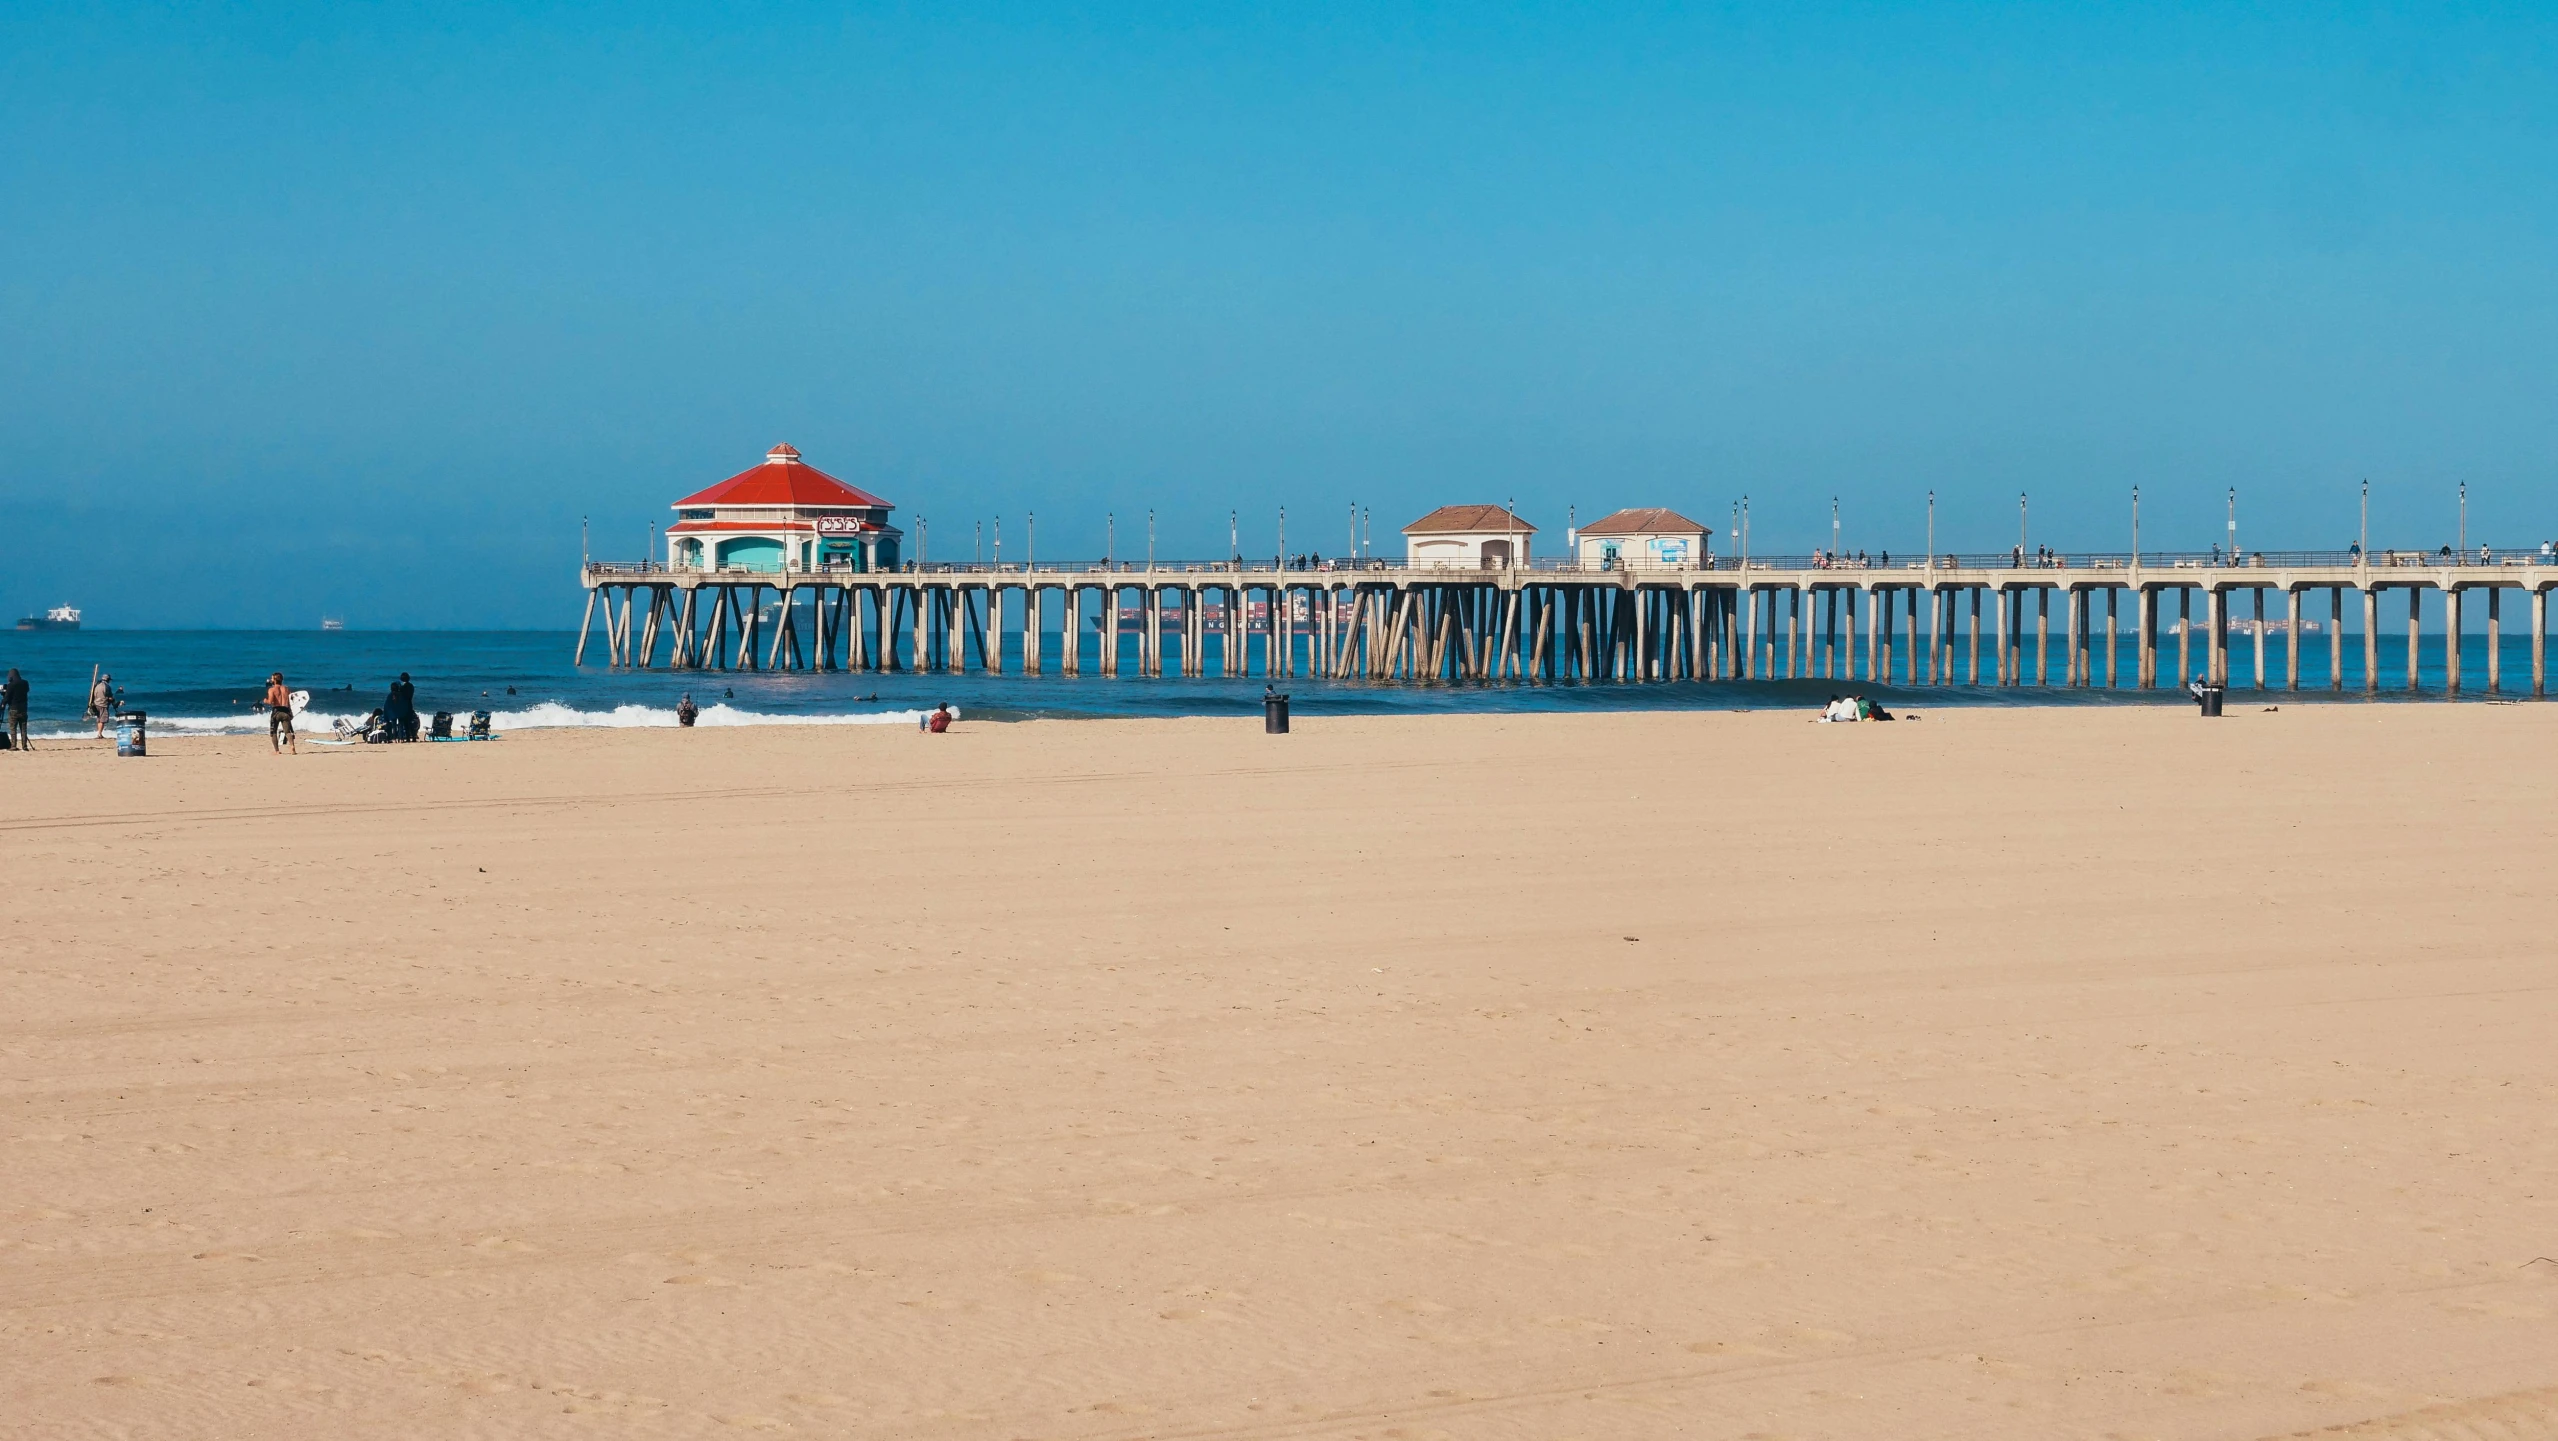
(210,681)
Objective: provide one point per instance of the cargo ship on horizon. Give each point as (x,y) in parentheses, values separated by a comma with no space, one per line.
(61,617)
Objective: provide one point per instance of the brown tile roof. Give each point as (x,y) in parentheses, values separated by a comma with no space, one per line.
(1644,520)
(1466,518)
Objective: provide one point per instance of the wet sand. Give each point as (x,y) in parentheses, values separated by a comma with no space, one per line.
(2004,1074)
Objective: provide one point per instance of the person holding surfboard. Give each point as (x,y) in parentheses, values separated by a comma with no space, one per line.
(279,716)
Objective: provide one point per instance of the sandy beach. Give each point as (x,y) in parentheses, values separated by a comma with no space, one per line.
(2010,1073)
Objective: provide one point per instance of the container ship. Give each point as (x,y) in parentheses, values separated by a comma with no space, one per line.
(61,617)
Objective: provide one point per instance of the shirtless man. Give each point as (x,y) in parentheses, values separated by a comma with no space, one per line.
(279,716)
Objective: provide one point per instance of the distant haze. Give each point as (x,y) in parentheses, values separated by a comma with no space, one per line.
(357,310)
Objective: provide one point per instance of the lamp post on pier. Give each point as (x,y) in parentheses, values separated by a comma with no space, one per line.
(2136,527)
(2460,549)
(1931,530)
(2233,525)
(2362,545)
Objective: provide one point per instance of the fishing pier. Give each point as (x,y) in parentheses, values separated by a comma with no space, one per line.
(1944,620)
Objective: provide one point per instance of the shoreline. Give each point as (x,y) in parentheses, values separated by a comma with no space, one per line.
(1313,702)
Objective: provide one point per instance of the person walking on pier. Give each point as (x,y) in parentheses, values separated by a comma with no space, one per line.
(13,699)
(279,716)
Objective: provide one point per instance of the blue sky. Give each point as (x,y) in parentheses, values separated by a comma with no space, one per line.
(358,309)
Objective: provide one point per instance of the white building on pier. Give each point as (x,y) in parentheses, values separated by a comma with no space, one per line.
(1645,536)
(1468,537)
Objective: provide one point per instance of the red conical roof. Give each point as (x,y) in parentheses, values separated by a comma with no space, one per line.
(781,480)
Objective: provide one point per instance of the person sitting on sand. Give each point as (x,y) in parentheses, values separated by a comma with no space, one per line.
(279,716)
(940,721)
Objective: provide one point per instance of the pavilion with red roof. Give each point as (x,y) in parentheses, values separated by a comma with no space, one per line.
(782,515)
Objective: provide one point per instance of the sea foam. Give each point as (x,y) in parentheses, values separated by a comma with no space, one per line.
(548,715)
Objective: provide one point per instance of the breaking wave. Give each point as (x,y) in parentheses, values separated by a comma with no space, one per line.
(548,715)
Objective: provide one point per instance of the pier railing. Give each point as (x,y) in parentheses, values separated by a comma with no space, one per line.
(1135,571)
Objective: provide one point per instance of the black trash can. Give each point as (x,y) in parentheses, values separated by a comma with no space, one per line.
(2209,697)
(132,736)
(1274,714)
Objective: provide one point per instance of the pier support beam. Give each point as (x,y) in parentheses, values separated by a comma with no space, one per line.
(2291,644)
(1976,634)
(1796,595)
(2540,641)
(2113,600)
(2257,664)
(2452,597)
(2042,635)
(2256,676)
(2415,614)
(1910,605)
(2184,630)
(2006,650)
(2216,661)
(2495,634)
(2145,637)
(2371,638)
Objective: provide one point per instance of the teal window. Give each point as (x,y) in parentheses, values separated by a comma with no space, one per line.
(755,553)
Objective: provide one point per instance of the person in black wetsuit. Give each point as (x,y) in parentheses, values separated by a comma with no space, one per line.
(13,699)
(399,712)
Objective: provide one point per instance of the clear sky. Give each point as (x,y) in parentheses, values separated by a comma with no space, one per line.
(357,309)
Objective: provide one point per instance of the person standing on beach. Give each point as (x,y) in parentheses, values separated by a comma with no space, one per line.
(400,710)
(13,699)
(279,716)
(102,701)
